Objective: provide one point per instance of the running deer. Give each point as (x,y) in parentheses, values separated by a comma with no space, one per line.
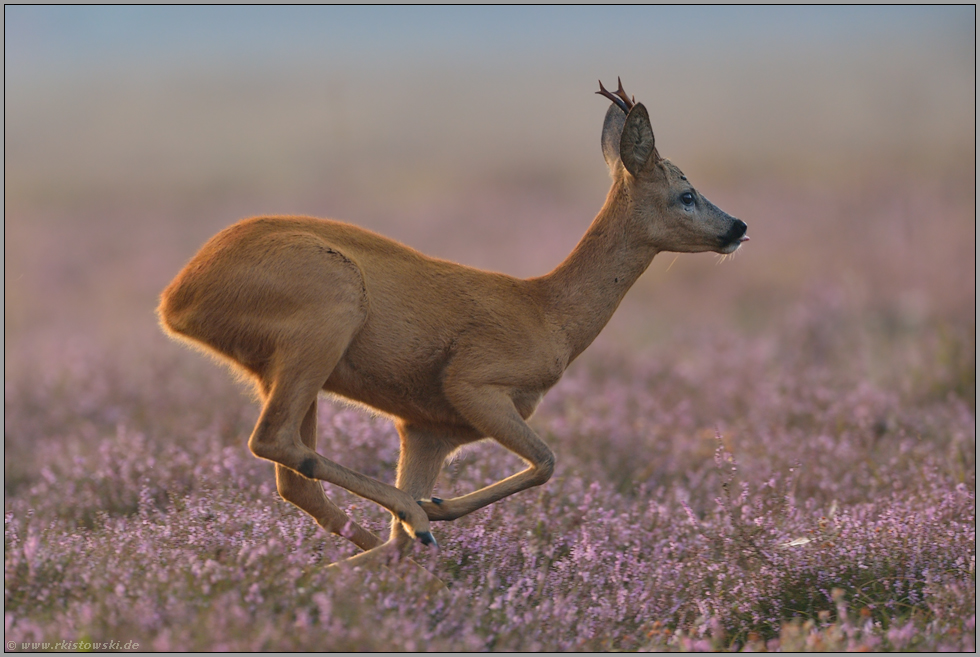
(452,354)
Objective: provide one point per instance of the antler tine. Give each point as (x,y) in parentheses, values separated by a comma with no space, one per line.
(622,102)
(622,94)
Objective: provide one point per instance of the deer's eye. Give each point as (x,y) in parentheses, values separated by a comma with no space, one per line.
(687,198)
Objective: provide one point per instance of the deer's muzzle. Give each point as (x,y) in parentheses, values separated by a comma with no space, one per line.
(735,235)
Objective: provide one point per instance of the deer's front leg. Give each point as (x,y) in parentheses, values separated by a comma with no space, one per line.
(490,410)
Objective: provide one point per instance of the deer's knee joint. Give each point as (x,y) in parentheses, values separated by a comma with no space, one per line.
(544,469)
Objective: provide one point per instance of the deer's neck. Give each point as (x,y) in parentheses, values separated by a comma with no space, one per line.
(585,290)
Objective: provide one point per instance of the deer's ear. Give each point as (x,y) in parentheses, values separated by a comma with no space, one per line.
(636,145)
(612,132)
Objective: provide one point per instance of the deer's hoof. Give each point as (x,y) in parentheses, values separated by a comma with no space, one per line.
(427,538)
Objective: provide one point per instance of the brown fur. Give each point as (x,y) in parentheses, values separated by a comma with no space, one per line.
(453,354)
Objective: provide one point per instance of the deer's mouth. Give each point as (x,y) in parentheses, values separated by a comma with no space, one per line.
(733,239)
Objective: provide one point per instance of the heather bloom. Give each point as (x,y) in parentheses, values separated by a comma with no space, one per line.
(775,514)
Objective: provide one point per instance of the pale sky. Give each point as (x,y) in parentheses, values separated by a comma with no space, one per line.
(51,39)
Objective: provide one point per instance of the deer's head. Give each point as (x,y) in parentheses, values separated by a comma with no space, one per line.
(673,214)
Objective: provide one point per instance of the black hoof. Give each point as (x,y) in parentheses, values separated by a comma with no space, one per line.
(427,538)
(437,500)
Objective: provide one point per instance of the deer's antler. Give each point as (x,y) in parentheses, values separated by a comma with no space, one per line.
(620,98)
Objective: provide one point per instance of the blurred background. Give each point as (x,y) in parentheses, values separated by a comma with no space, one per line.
(845,138)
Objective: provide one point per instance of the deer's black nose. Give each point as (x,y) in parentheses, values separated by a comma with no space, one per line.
(735,233)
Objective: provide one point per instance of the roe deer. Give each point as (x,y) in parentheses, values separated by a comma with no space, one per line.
(453,354)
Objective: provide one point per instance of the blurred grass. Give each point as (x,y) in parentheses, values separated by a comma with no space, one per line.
(851,160)
(833,111)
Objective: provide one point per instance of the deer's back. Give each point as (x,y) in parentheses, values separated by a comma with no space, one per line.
(258,287)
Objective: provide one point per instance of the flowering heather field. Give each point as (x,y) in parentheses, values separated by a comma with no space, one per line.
(777,452)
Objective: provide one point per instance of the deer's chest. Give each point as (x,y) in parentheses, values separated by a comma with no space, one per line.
(526,397)
(526,401)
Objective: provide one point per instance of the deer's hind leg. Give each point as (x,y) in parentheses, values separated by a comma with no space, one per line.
(308,494)
(306,310)
(291,384)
